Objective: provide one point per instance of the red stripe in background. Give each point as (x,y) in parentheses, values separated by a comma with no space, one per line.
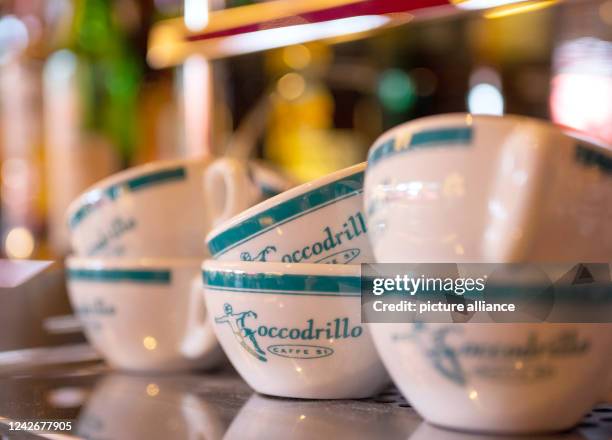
(368,7)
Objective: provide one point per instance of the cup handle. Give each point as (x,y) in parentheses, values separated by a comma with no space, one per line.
(228,189)
(515,194)
(199,338)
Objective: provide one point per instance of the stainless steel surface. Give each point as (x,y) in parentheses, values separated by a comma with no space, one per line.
(110,405)
(62,325)
(18,360)
(16,272)
(25,308)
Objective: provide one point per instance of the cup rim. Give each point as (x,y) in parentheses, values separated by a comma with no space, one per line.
(307,279)
(94,192)
(469,119)
(279,268)
(277,201)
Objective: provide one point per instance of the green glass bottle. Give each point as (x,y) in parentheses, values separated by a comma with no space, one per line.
(109,74)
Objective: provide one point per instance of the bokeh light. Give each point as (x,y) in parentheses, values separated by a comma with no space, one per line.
(149,342)
(297,57)
(13,37)
(396,90)
(485,99)
(291,86)
(196,14)
(485,95)
(19,243)
(152,389)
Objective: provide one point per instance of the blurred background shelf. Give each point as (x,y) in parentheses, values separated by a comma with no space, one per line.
(90,87)
(273,24)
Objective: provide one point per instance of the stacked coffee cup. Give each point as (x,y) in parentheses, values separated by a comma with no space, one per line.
(138,239)
(450,188)
(289,323)
(462,188)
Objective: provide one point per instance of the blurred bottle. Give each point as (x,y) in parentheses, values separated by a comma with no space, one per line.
(22,209)
(109,72)
(91,99)
(301,137)
(581,86)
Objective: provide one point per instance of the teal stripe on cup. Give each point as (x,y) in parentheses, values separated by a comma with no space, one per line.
(452,136)
(161,276)
(380,151)
(455,135)
(288,284)
(277,215)
(130,185)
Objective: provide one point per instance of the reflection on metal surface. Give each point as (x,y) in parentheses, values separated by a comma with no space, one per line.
(279,419)
(62,324)
(20,360)
(16,272)
(428,432)
(221,405)
(135,407)
(67,397)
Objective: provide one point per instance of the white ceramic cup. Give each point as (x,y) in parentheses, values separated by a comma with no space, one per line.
(294,330)
(498,378)
(467,188)
(318,222)
(129,407)
(143,314)
(165,208)
(464,188)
